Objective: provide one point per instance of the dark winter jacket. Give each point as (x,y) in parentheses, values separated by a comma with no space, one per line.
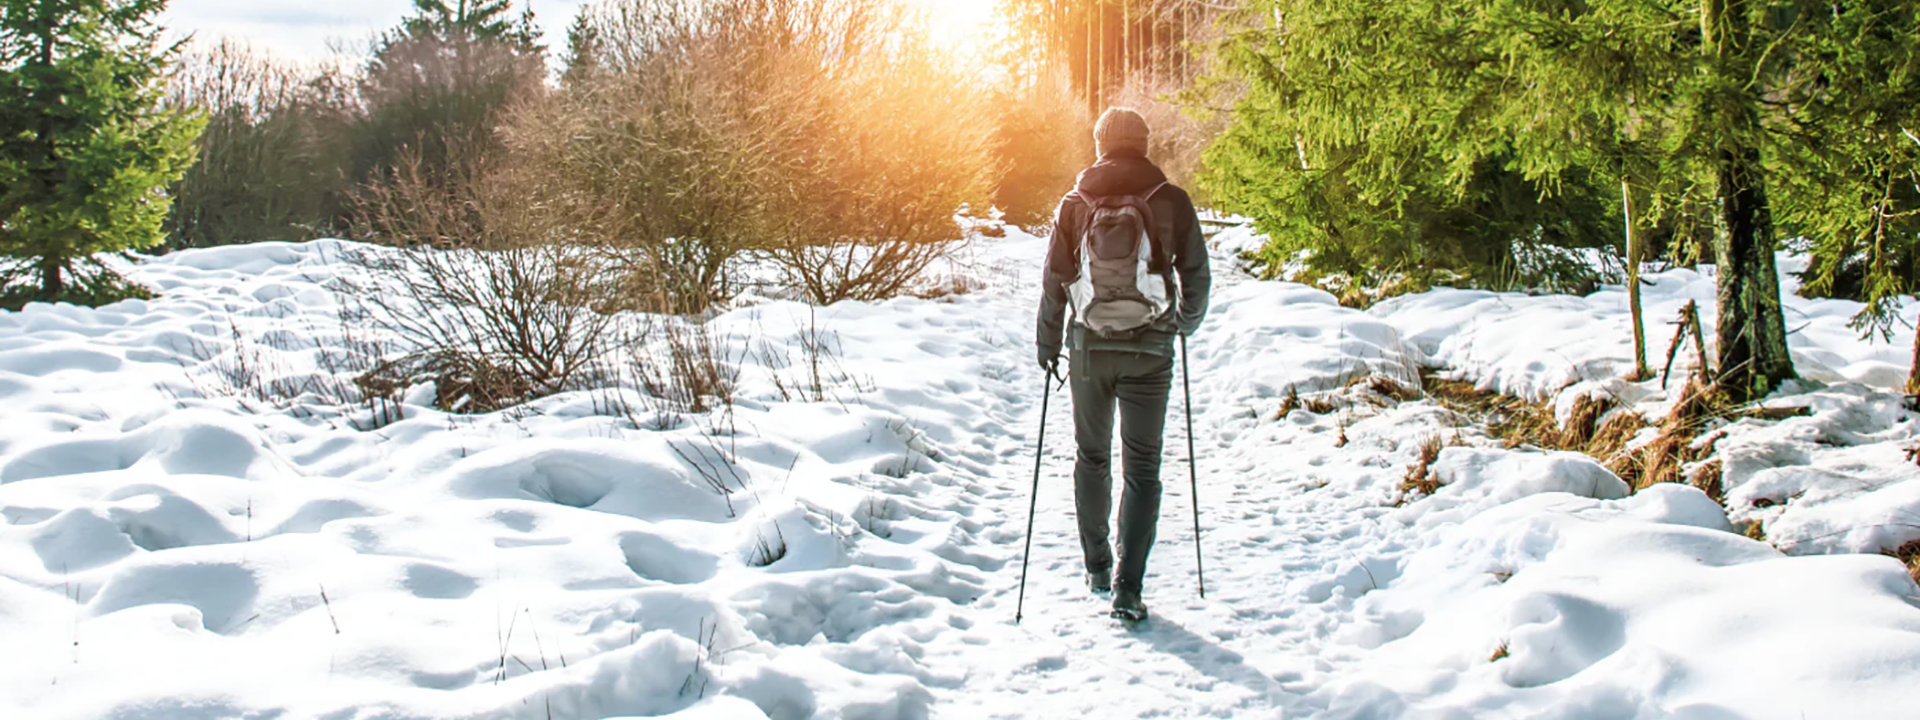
(1125,173)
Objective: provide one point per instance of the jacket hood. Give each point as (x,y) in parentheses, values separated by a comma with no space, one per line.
(1120,173)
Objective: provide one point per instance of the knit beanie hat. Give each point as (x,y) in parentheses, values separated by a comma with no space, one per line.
(1120,128)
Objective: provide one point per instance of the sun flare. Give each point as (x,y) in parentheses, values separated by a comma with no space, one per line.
(963,27)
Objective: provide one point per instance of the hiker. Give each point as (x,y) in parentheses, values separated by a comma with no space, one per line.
(1130,299)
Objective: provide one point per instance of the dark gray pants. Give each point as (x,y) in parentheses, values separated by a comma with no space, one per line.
(1139,383)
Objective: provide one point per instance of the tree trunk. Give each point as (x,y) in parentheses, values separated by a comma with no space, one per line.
(1913,370)
(53,278)
(1640,370)
(1751,332)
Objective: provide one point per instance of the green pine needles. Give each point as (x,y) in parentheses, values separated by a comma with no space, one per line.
(1451,135)
(86,147)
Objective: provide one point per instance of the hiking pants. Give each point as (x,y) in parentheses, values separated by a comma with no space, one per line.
(1139,383)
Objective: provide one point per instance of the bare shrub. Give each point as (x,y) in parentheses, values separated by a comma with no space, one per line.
(1042,139)
(823,377)
(493,306)
(432,99)
(273,160)
(828,134)
(903,144)
(671,143)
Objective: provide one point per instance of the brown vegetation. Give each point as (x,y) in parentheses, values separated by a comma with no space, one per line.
(1909,555)
(1420,479)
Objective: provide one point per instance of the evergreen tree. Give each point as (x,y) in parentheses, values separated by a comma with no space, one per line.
(435,88)
(472,19)
(1681,98)
(86,146)
(582,60)
(1855,192)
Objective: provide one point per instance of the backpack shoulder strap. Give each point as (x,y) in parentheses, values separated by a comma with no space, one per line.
(1162,247)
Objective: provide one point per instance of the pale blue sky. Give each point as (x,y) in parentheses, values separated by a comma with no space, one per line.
(307,29)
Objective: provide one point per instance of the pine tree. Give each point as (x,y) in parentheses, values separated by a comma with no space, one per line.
(1685,99)
(1855,192)
(86,146)
(491,20)
(1365,143)
(582,60)
(435,87)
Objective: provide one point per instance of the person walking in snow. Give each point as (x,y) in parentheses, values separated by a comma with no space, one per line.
(1127,255)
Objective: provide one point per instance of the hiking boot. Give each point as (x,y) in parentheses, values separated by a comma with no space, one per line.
(1100,581)
(1127,605)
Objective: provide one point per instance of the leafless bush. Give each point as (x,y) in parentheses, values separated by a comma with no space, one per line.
(1042,139)
(673,143)
(496,309)
(687,370)
(273,159)
(826,133)
(900,144)
(823,376)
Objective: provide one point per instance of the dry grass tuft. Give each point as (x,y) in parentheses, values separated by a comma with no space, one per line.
(1289,403)
(1420,479)
(1609,442)
(1499,653)
(1583,419)
(1600,427)
(1391,388)
(1664,459)
(1909,553)
(1707,478)
(1512,421)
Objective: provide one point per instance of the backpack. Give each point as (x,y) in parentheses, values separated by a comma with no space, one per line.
(1126,279)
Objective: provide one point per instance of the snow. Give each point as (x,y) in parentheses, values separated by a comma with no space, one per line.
(190,529)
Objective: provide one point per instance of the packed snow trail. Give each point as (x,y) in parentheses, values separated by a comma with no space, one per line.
(1285,514)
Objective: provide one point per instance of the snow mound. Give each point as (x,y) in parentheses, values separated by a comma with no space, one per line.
(173,544)
(1473,479)
(1571,607)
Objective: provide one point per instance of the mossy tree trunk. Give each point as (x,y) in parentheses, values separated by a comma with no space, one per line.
(1751,332)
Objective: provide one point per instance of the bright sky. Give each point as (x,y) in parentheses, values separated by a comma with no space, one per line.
(307,29)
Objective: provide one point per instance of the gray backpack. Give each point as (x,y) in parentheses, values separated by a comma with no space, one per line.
(1126,278)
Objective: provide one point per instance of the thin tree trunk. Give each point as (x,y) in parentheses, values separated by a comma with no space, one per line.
(1100,10)
(1913,371)
(1093,95)
(1640,370)
(1751,332)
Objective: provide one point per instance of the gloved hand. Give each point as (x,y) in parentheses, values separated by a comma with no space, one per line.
(1050,361)
(1184,325)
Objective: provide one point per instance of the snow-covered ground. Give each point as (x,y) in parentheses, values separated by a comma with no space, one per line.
(169,549)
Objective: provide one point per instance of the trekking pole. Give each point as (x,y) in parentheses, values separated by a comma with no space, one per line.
(1193,468)
(1033,503)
